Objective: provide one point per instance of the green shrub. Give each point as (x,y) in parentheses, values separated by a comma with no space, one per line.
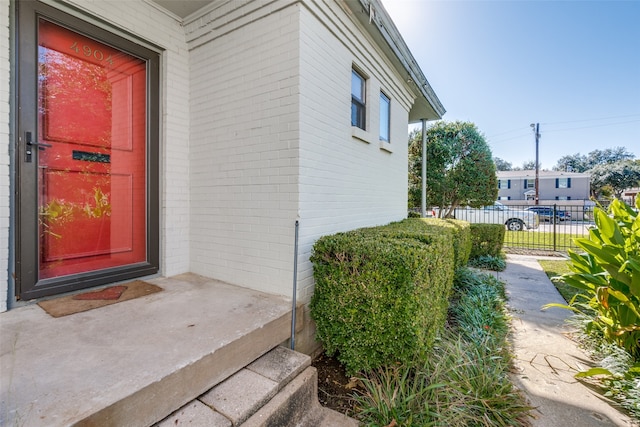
(486,239)
(464,380)
(461,237)
(488,262)
(608,273)
(381,294)
(458,232)
(424,230)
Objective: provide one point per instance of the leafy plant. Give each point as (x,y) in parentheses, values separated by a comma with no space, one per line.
(489,262)
(616,374)
(464,380)
(608,272)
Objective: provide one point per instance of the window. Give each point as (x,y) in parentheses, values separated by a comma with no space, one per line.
(385,117)
(504,184)
(504,198)
(358,95)
(529,183)
(563,182)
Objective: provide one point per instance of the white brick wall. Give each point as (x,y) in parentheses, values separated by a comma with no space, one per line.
(256,133)
(244,146)
(5,190)
(271,100)
(345,182)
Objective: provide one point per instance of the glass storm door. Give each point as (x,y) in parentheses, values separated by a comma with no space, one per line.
(86,151)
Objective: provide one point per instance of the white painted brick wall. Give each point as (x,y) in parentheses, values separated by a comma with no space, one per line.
(345,183)
(4,153)
(244,148)
(256,131)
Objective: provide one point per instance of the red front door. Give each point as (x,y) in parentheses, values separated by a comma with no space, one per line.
(87,145)
(91,111)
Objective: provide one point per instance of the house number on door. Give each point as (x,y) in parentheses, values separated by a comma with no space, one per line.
(88,52)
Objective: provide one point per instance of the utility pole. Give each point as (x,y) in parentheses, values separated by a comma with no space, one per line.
(536,129)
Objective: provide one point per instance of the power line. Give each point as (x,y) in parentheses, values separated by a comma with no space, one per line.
(506,132)
(593,126)
(525,132)
(592,120)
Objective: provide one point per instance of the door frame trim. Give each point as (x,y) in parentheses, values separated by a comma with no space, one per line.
(26,243)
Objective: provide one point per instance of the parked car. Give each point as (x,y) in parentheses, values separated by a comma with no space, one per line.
(546,213)
(513,219)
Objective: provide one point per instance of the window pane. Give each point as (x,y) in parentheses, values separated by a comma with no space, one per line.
(357,86)
(92,199)
(385,115)
(354,114)
(358,107)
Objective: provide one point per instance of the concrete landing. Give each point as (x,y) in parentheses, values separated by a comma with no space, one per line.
(546,359)
(135,362)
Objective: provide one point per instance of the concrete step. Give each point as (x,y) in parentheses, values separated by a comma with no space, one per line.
(277,390)
(135,362)
(297,406)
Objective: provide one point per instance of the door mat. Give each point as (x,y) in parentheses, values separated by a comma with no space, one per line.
(71,304)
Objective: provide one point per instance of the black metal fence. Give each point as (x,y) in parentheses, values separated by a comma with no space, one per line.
(545,227)
(558,227)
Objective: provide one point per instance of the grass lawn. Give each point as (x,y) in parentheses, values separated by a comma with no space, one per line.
(539,240)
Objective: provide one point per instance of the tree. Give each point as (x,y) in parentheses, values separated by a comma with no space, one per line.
(580,163)
(618,176)
(529,165)
(460,168)
(608,156)
(502,165)
(572,163)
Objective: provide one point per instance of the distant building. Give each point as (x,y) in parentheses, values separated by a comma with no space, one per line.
(520,185)
(629,195)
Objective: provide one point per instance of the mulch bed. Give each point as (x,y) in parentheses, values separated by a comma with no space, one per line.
(335,388)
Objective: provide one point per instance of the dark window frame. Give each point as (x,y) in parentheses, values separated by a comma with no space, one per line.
(566,179)
(358,104)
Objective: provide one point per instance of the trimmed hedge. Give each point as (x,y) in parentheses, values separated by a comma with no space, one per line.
(461,237)
(381,293)
(422,229)
(486,240)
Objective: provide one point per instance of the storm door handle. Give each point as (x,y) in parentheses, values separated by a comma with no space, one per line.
(40,145)
(31,143)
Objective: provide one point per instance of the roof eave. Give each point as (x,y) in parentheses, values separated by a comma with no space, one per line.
(375,19)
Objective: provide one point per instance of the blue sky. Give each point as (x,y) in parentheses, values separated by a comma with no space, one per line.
(572,66)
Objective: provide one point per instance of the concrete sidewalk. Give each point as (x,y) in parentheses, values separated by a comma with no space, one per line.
(546,359)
